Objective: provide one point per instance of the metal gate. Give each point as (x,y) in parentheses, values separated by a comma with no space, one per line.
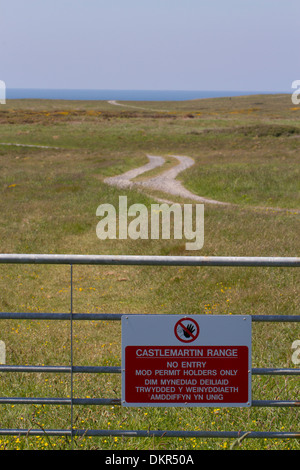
(72,260)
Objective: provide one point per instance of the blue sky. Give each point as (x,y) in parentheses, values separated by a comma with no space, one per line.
(150,44)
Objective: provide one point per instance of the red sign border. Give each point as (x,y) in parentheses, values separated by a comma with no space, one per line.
(193,338)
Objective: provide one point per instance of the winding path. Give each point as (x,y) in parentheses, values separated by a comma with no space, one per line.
(30,145)
(115,103)
(165,182)
(125,180)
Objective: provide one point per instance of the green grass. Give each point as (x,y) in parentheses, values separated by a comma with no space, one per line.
(246,153)
(273,185)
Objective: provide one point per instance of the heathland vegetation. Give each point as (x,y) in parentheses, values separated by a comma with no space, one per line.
(246,152)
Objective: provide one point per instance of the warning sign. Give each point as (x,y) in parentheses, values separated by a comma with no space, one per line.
(186,330)
(168,360)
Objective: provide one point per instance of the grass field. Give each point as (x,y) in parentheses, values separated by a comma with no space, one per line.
(246,152)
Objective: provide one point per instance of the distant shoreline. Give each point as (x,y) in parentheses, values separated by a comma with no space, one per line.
(125,95)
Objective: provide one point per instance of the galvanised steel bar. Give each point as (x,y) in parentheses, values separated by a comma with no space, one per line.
(117,401)
(117,370)
(276,403)
(35,369)
(256,403)
(59,316)
(150,260)
(275,318)
(151,433)
(34,401)
(62,369)
(58,401)
(97,369)
(118,316)
(273,371)
(34,432)
(189,434)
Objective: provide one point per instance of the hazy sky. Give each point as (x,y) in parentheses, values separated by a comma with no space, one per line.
(150,44)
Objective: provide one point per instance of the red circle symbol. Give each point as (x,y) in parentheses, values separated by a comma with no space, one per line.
(186,330)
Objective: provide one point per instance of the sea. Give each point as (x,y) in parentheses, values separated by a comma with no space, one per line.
(123,95)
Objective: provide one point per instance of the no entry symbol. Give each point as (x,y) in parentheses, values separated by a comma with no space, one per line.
(186,330)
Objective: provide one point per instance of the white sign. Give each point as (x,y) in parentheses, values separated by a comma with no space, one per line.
(177,360)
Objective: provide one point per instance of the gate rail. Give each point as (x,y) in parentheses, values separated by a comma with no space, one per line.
(147,261)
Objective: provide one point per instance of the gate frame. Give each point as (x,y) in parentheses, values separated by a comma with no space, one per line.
(145,261)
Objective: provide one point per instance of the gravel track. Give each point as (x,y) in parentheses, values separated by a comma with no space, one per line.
(125,180)
(165,181)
